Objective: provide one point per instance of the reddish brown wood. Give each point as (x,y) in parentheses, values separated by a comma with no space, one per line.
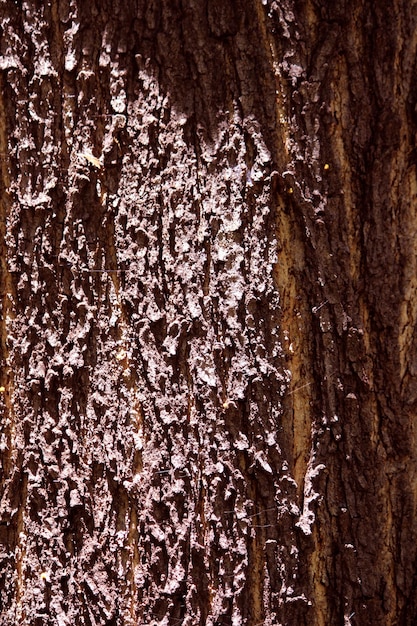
(207,288)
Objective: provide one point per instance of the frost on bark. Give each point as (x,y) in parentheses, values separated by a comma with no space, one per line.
(207,286)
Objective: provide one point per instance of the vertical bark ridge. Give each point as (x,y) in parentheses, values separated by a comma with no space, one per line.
(350,125)
(6,291)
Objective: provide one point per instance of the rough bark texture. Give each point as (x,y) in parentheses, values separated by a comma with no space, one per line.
(208,357)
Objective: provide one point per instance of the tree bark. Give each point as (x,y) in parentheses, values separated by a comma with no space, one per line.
(207,282)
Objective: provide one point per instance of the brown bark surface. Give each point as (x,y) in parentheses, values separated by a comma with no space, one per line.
(208,271)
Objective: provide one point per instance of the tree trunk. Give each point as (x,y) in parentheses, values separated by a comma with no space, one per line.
(208,270)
